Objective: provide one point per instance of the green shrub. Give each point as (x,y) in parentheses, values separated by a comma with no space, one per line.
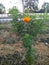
(28,31)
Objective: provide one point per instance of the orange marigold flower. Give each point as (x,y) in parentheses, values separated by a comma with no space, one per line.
(26,19)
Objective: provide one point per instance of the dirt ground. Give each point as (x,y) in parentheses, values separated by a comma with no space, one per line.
(11,48)
(42,49)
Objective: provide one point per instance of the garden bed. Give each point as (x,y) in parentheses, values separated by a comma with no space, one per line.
(12,53)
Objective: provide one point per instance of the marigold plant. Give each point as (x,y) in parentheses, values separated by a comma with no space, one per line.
(28,32)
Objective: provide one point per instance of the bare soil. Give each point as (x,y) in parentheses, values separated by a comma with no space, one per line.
(11,48)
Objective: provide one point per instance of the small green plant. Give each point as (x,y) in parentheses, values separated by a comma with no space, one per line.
(28,28)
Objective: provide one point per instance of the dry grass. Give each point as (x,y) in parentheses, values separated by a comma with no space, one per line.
(42,49)
(10,49)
